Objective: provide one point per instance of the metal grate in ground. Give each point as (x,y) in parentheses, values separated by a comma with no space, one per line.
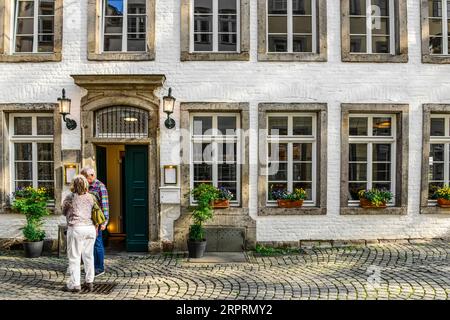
(100,288)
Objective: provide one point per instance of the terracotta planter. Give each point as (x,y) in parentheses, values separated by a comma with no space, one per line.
(221,204)
(289,203)
(364,203)
(443,203)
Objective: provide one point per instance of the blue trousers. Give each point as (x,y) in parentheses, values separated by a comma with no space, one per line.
(99,253)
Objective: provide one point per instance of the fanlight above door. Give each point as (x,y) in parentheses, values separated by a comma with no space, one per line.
(121,122)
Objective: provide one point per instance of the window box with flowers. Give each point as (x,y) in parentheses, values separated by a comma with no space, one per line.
(374,198)
(286,199)
(442,195)
(224,197)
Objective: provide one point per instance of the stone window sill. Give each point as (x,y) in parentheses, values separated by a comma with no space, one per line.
(122,56)
(434,210)
(303,211)
(227,211)
(31,57)
(214,56)
(438,59)
(292,57)
(377,58)
(381,211)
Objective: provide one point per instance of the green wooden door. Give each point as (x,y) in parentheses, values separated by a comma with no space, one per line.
(136,197)
(101,164)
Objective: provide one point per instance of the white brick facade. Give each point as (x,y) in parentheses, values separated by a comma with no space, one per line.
(333,82)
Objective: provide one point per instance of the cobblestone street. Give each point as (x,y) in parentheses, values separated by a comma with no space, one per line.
(383,271)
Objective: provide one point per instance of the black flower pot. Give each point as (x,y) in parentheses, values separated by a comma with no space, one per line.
(196,248)
(33,249)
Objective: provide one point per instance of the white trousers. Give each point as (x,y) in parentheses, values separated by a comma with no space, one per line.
(80,245)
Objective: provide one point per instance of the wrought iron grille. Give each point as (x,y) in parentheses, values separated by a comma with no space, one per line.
(122,122)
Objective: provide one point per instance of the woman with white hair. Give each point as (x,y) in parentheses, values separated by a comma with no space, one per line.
(81,233)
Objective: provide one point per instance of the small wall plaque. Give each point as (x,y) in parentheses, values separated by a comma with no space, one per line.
(70,171)
(170,175)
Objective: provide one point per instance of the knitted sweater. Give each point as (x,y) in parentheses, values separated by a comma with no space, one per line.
(78,209)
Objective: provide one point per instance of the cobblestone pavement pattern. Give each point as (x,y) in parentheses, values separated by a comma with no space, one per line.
(383,271)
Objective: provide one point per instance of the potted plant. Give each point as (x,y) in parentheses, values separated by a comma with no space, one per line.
(443,196)
(286,199)
(374,198)
(33,204)
(223,201)
(204,194)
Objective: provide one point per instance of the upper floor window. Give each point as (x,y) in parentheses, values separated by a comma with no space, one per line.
(124,25)
(215,25)
(34,26)
(291,26)
(438,17)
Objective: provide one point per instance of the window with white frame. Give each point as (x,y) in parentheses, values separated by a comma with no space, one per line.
(439,158)
(215,26)
(31,150)
(292,154)
(291,26)
(124,25)
(215,151)
(372,145)
(438,18)
(372,26)
(34,26)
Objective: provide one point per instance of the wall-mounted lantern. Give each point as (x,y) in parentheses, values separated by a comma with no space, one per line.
(168,107)
(64,110)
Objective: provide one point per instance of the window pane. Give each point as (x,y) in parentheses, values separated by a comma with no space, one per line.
(24,170)
(23,152)
(381,26)
(227,152)
(302,172)
(432,187)
(24,44)
(302,44)
(202,125)
(382,7)
(26,9)
(380,44)
(302,126)
(226,172)
(382,126)
(274,187)
(306,186)
(436,45)
(358,7)
(277,43)
(437,172)
(278,126)
(435,26)
(203,42)
(136,6)
(358,126)
(358,25)
(227,6)
(45,171)
(357,172)
(203,172)
(114,7)
(278,172)
(381,172)
(25,26)
(277,6)
(136,24)
(45,151)
(435,8)
(46,7)
(22,126)
(49,186)
(381,152)
(113,43)
(382,186)
(277,24)
(437,152)
(301,7)
(277,151)
(203,23)
(202,152)
(358,44)
(113,25)
(45,25)
(302,25)
(231,186)
(203,6)
(23,184)
(226,125)
(354,188)
(227,42)
(358,152)
(227,24)
(437,127)
(136,42)
(302,151)
(45,43)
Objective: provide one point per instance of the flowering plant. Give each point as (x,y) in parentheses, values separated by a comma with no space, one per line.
(376,197)
(296,195)
(442,193)
(225,194)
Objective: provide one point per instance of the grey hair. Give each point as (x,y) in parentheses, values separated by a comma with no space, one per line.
(87,171)
(80,185)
